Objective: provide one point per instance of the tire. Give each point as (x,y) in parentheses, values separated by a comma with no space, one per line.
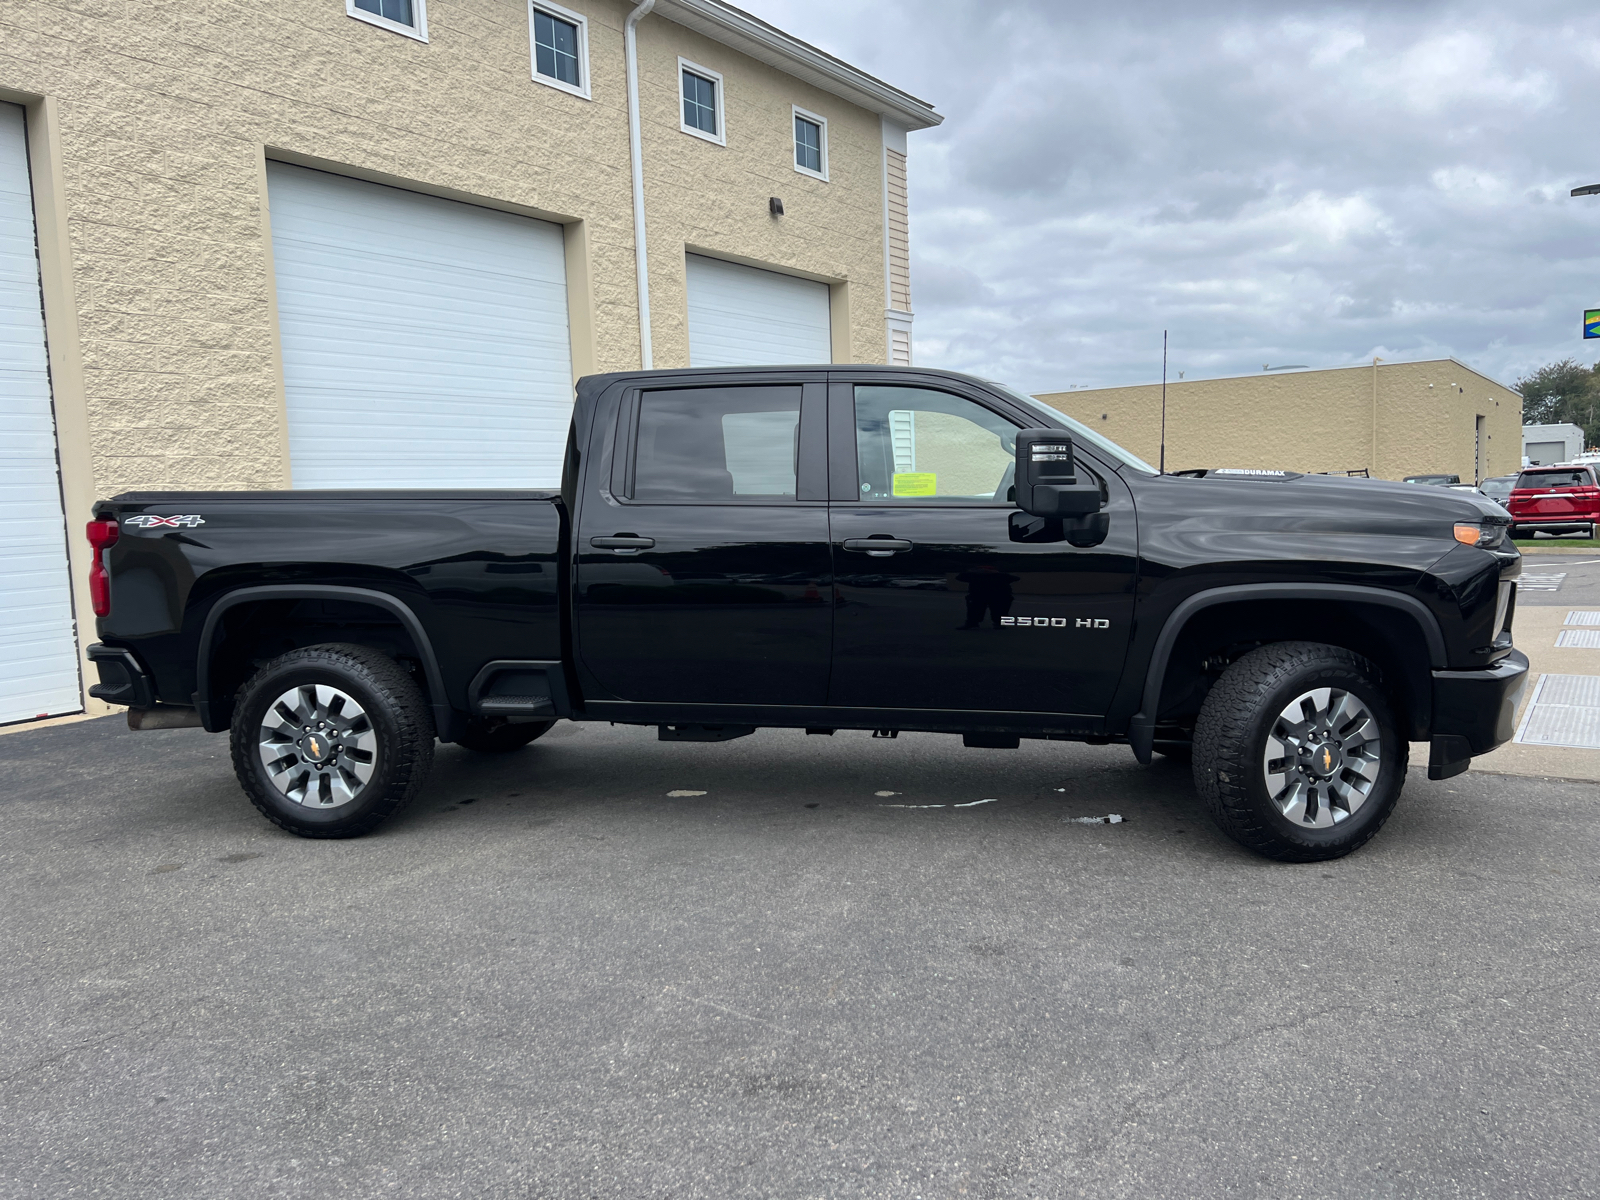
(1299,814)
(487,738)
(376,762)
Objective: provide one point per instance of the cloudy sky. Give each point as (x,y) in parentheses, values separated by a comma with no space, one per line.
(1274,183)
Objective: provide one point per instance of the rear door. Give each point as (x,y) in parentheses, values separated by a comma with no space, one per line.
(953,613)
(703,567)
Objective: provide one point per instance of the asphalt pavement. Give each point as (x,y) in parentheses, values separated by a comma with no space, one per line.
(555,978)
(1572,580)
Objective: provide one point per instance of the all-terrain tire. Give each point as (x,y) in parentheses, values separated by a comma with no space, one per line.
(488,738)
(1230,739)
(398,727)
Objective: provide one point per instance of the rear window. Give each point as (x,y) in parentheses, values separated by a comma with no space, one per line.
(1572,477)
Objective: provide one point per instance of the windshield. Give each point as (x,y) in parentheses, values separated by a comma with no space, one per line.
(1078,428)
(1578,477)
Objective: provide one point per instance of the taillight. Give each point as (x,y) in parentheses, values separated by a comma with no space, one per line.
(102,534)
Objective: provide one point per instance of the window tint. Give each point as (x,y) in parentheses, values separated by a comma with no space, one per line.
(699,103)
(808,144)
(913,444)
(1554,479)
(716,444)
(398,11)
(555,44)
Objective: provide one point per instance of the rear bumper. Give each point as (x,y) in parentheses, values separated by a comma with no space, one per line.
(1558,525)
(122,679)
(1473,712)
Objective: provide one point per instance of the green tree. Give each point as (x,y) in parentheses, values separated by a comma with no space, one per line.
(1563,391)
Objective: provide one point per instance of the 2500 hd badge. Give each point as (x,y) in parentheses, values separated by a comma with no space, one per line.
(1058,622)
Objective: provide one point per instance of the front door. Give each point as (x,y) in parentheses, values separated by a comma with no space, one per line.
(703,563)
(950,612)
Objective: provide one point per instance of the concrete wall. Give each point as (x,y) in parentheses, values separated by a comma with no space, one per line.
(1394,420)
(158,118)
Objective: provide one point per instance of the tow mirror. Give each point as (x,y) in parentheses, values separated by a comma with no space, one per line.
(1047,477)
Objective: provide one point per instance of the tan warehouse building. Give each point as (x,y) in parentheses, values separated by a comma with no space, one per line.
(1390,419)
(372,243)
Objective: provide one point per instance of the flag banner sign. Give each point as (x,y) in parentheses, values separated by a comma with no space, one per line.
(1591,322)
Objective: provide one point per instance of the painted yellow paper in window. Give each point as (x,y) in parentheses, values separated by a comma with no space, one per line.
(916,483)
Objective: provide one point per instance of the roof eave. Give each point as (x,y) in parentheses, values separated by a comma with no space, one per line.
(755,38)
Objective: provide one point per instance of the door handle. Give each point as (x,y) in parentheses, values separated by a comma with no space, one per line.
(622,543)
(877,547)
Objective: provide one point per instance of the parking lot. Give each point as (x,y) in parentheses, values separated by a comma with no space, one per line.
(555,978)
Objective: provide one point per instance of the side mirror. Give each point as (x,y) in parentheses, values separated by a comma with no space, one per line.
(1047,477)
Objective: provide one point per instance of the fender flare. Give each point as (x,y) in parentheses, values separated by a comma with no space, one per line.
(443,714)
(1142,726)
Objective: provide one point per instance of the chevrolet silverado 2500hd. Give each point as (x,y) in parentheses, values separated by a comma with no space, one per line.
(831,548)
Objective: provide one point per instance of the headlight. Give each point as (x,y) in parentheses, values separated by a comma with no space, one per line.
(1488,536)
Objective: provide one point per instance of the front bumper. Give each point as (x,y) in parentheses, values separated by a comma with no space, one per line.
(1473,712)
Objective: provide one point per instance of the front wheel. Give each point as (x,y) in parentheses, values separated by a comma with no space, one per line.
(329,740)
(1296,753)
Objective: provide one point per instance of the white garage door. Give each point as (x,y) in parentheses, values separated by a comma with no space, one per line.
(38,653)
(741,316)
(424,341)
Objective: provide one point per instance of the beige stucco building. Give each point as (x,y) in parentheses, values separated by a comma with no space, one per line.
(1390,419)
(403,227)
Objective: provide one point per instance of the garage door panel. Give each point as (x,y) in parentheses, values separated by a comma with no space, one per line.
(38,648)
(744,316)
(425,341)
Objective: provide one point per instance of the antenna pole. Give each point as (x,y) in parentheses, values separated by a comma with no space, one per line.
(1163,463)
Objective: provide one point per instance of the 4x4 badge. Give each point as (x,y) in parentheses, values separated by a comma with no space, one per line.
(152,522)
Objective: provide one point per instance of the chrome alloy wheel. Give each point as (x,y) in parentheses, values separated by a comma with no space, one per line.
(318,746)
(1322,757)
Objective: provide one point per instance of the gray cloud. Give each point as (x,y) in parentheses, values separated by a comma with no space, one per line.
(1312,185)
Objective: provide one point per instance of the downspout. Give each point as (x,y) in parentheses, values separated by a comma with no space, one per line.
(641,265)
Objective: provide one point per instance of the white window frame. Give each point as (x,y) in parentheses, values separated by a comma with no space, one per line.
(794,156)
(419,9)
(571,18)
(720,138)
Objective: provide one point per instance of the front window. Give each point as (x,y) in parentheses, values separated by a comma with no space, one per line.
(919,445)
(810,144)
(702,102)
(399,16)
(558,46)
(1079,431)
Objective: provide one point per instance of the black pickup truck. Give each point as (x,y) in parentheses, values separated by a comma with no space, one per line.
(828,548)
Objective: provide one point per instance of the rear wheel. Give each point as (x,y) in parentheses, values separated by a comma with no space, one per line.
(330,740)
(1296,753)
(486,737)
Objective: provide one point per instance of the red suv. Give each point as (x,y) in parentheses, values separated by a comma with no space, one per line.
(1556,500)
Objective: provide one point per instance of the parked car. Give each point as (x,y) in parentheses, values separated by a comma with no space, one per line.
(1559,499)
(1435,480)
(1498,488)
(832,548)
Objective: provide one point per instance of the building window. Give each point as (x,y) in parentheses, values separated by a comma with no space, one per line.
(810,144)
(560,47)
(702,102)
(409,17)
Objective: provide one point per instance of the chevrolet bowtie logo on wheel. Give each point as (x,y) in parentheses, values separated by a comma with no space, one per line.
(1327,759)
(152,522)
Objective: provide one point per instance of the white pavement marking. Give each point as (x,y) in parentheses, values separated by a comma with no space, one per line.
(1582,617)
(1582,639)
(1564,711)
(1540,583)
(1113,819)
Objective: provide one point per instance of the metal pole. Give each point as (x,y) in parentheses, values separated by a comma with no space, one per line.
(1162,466)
